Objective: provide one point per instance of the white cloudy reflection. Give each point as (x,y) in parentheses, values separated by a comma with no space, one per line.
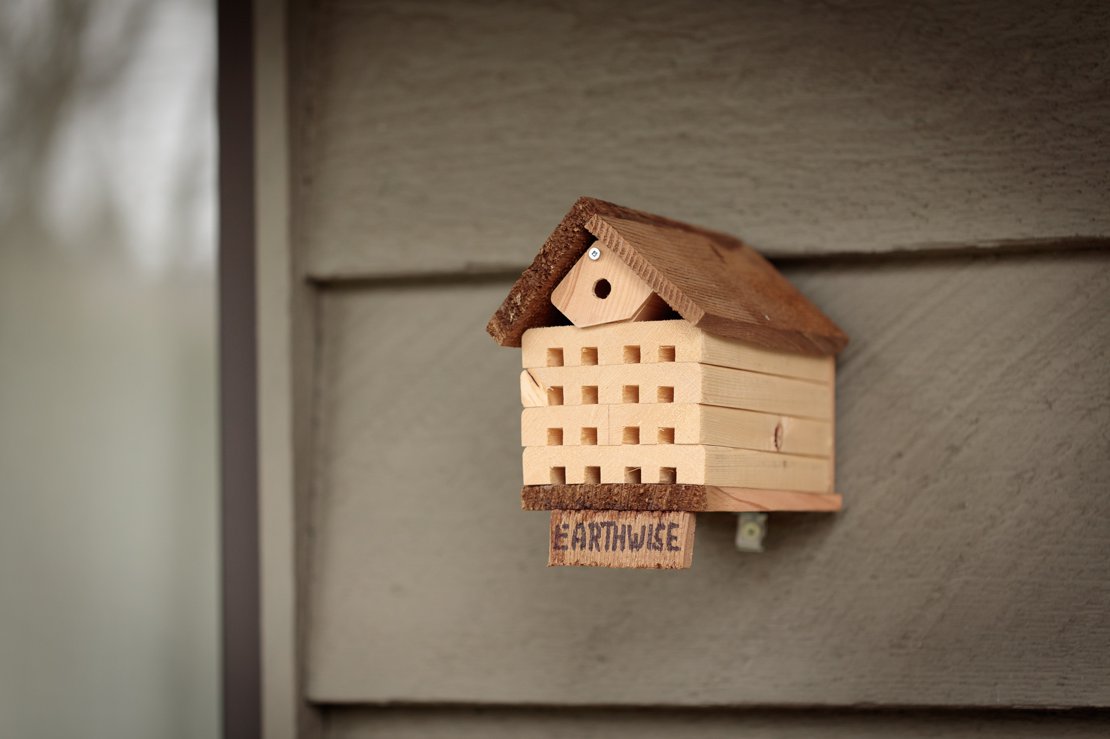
(108,562)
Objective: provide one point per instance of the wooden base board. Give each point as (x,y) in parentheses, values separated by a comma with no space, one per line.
(658,497)
(666,464)
(652,540)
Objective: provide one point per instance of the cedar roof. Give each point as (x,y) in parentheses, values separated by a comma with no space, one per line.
(714,281)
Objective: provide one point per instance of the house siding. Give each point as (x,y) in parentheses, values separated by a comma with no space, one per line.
(932,178)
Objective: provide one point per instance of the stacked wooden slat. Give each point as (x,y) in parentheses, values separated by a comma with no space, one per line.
(664,402)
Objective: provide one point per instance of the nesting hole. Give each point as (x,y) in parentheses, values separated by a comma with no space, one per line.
(602,288)
(632,355)
(630,394)
(555,395)
(558,475)
(589,355)
(589,395)
(589,436)
(666,354)
(665,395)
(554,437)
(668,475)
(554,357)
(593,475)
(631,435)
(632,474)
(666,436)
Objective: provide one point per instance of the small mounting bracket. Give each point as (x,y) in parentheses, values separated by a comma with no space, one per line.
(750,530)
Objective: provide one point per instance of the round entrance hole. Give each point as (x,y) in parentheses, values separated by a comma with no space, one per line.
(602,288)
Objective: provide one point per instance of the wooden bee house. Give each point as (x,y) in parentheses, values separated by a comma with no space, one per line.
(692,377)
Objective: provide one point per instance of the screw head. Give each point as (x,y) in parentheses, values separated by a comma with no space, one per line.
(594,254)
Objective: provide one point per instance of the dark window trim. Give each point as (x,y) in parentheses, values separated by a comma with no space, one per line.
(238,396)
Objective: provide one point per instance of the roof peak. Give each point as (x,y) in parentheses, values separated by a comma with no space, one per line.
(713,280)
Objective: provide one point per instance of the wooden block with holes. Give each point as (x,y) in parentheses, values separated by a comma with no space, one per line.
(693,377)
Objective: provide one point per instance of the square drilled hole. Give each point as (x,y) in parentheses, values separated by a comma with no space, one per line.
(666,436)
(554,357)
(630,394)
(631,435)
(665,395)
(632,474)
(666,354)
(593,475)
(589,436)
(555,395)
(632,355)
(558,475)
(668,475)
(589,395)
(589,355)
(554,437)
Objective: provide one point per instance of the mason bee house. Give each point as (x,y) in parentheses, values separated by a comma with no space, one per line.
(653,407)
(692,377)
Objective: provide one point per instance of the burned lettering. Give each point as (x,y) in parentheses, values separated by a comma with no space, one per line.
(672,538)
(621,538)
(595,536)
(559,541)
(578,541)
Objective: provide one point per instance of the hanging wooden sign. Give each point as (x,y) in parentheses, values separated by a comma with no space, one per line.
(638,539)
(692,377)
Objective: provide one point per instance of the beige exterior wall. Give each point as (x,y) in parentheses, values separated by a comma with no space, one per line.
(432,151)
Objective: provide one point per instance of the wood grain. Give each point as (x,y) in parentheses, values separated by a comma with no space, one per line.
(665,341)
(676,423)
(672,497)
(697,465)
(639,540)
(683,383)
(967,568)
(447,136)
(713,280)
(722,286)
(625,297)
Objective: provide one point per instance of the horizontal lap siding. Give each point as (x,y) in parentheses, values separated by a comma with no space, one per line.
(448,136)
(501,723)
(968,568)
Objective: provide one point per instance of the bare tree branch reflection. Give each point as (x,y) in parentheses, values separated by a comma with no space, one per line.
(70,81)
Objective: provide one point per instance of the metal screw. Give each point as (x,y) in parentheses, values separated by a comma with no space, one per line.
(594,253)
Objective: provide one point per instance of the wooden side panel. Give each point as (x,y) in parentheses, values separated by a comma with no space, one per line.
(538,723)
(967,568)
(655,341)
(693,465)
(451,136)
(662,341)
(570,425)
(674,382)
